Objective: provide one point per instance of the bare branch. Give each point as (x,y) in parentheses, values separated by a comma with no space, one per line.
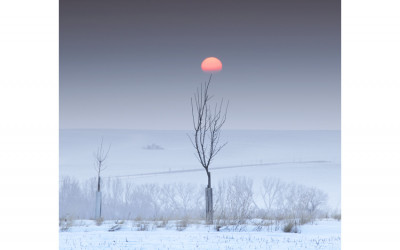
(208,120)
(101,156)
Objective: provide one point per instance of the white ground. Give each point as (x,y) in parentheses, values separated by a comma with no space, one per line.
(324,234)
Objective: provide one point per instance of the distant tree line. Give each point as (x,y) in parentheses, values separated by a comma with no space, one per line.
(235,200)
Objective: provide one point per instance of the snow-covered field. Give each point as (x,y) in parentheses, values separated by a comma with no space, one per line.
(310,158)
(322,234)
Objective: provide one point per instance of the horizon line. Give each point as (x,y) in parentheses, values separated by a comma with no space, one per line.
(141,129)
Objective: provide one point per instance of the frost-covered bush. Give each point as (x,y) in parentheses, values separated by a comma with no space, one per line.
(76,199)
(234,201)
(124,200)
(292,201)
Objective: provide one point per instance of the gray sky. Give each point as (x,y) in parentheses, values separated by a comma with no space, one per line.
(135,64)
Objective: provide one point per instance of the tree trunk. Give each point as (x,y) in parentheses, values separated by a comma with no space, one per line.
(98,200)
(98,205)
(209,206)
(98,183)
(209,179)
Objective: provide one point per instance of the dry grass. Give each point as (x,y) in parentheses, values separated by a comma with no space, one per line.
(65,223)
(291,227)
(182,224)
(99,221)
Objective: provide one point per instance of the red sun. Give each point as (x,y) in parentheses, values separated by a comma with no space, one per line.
(211,64)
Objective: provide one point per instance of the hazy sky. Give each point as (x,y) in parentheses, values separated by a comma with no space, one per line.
(135,64)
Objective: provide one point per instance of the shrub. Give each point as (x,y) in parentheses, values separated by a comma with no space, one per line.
(143,226)
(99,221)
(337,216)
(219,223)
(161,224)
(65,223)
(291,227)
(182,224)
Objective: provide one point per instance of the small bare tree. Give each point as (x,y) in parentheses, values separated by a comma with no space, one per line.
(100,157)
(235,200)
(271,191)
(207,123)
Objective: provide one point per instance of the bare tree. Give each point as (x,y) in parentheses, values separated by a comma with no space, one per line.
(208,120)
(100,157)
(316,199)
(271,190)
(235,200)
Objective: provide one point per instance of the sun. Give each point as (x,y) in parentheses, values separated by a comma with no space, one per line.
(211,64)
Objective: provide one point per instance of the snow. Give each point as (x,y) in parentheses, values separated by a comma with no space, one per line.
(322,234)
